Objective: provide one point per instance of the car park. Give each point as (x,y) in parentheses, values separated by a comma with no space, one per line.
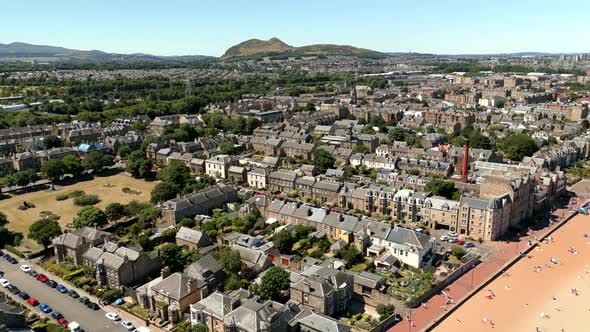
(112,316)
(25,268)
(72,293)
(41,277)
(92,305)
(51,283)
(4,283)
(33,301)
(45,308)
(23,295)
(128,325)
(57,315)
(62,289)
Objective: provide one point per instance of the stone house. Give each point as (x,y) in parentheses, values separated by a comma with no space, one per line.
(258,178)
(218,166)
(72,245)
(199,202)
(324,290)
(192,239)
(282,181)
(236,174)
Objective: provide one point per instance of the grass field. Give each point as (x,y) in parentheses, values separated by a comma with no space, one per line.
(108,189)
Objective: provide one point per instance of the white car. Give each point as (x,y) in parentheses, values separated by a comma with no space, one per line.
(128,325)
(112,316)
(25,268)
(4,283)
(451,233)
(444,238)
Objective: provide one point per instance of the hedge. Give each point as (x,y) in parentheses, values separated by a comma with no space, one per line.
(85,200)
(14,250)
(74,274)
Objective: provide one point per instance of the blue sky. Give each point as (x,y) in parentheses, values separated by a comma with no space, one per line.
(175,27)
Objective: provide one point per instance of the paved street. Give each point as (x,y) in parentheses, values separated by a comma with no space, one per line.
(91,321)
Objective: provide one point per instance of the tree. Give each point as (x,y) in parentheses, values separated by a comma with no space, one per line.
(164,191)
(150,215)
(52,141)
(230,260)
(458,251)
(323,160)
(232,283)
(90,216)
(96,161)
(26,177)
(73,165)
(53,169)
(284,242)
(517,146)
(350,254)
(43,231)
(124,151)
(3,219)
(440,187)
(175,173)
(274,281)
(227,148)
(115,211)
(172,257)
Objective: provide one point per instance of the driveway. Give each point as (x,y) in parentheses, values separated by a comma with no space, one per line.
(71,309)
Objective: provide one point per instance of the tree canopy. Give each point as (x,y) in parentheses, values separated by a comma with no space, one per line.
(53,169)
(90,216)
(517,146)
(274,281)
(440,187)
(323,160)
(43,231)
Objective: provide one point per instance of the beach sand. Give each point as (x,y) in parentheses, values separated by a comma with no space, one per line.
(522,295)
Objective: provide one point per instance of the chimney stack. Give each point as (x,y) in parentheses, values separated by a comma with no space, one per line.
(465,170)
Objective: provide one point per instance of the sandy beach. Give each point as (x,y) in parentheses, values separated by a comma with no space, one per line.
(536,294)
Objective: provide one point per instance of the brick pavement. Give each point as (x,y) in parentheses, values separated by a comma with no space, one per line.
(434,308)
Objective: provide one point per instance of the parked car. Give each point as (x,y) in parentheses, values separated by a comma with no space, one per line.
(84,300)
(92,305)
(33,301)
(13,289)
(62,289)
(452,240)
(45,308)
(73,294)
(41,277)
(33,273)
(4,283)
(128,325)
(57,315)
(444,238)
(468,245)
(459,242)
(25,268)
(51,283)
(112,316)
(451,233)
(63,322)
(23,295)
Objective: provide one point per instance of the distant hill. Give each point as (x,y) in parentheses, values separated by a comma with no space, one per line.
(15,52)
(276,46)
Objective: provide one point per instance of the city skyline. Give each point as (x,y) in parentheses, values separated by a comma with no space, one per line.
(209,28)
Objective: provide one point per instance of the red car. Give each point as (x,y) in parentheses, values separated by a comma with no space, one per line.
(63,322)
(460,242)
(33,301)
(41,277)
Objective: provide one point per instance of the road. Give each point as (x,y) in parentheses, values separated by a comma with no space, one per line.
(71,309)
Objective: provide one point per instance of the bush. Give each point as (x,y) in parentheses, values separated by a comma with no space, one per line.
(62,197)
(14,250)
(74,274)
(109,296)
(128,190)
(85,200)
